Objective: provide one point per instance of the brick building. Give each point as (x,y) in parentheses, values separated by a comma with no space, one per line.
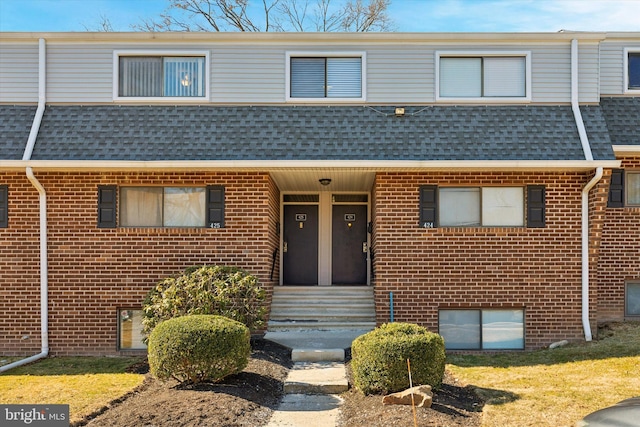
(486,186)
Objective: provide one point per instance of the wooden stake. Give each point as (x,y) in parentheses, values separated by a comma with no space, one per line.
(413,403)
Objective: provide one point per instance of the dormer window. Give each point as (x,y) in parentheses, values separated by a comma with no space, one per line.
(486,76)
(632,70)
(175,76)
(330,77)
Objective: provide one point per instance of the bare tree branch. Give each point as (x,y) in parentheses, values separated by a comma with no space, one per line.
(274,15)
(103,26)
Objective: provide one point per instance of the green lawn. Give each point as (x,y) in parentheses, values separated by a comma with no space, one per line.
(543,388)
(85,383)
(555,387)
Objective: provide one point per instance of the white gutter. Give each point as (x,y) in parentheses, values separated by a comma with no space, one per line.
(276,165)
(42,195)
(575,106)
(585,253)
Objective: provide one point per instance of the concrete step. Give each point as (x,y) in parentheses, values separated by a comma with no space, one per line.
(316,378)
(303,325)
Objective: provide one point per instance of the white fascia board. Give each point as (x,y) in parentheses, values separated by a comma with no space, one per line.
(626,150)
(268,165)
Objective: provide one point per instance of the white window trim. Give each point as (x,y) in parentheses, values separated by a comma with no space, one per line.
(482,222)
(627,51)
(159,53)
(293,54)
(627,172)
(483,99)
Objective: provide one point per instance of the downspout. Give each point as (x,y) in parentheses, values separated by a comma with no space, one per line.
(584,140)
(42,195)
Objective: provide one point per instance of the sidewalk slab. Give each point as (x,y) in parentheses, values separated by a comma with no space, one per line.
(316,378)
(317,355)
(304,410)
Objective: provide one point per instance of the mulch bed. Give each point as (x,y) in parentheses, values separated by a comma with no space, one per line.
(248,399)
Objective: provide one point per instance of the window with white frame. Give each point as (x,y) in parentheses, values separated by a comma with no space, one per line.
(632,296)
(482,329)
(130,336)
(632,70)
(492,76)
(324,77)
(486,206)
(633,188)
(624,188)
(140,75)
(162,206)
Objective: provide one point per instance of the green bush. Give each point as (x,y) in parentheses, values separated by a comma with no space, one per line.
(379,358)
(198,348)
(224,291)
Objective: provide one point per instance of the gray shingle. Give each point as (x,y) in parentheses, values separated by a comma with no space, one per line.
(308,133)
(597,132)
(623,119)
(15,125)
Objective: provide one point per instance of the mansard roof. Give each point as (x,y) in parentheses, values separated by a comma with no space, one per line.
(15,125)
(431,133)
(622,115)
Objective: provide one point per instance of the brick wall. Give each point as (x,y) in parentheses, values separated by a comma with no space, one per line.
(93,271)
(535,269)
(20,269)
(619,256)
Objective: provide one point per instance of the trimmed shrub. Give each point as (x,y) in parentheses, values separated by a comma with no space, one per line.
(223,291)
(379,358)
(198,348)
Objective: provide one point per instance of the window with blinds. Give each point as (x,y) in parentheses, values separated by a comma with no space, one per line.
(144,76)
(632,70)
(483,77)
(313,77)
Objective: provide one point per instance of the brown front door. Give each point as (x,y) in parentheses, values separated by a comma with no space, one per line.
(300,245)
(349,245)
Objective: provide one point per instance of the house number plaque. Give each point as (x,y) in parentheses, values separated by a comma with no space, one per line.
(349,217)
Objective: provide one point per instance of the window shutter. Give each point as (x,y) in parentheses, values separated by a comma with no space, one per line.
(4,206)
(428,206)
(536,206)
(616,189)
(215,206)
(107,206)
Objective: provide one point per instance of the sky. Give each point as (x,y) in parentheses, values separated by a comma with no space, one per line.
(407,15)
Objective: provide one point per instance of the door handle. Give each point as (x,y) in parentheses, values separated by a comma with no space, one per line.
(285,247)
(364,247)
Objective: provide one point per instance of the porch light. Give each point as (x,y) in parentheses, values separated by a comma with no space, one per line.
(325,181)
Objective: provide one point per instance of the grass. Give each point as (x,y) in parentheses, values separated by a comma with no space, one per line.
(555,387)
(86,384)
(551,388)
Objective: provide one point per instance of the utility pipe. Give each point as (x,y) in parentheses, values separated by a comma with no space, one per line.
(586,148)
(42,196)
(585,253)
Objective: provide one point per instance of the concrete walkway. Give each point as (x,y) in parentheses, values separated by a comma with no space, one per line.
(317,378)
(311,395)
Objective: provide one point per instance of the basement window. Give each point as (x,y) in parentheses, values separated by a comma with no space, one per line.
(482,329)
(130,330)
(632,297)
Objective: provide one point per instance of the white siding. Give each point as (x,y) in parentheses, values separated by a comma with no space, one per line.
(18,73)
(243,73)
(79,73)
(588,73)
(612,66)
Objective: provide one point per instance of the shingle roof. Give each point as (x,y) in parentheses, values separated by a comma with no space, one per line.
(597,132)
(622,115)
(311,133)
(15,125)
